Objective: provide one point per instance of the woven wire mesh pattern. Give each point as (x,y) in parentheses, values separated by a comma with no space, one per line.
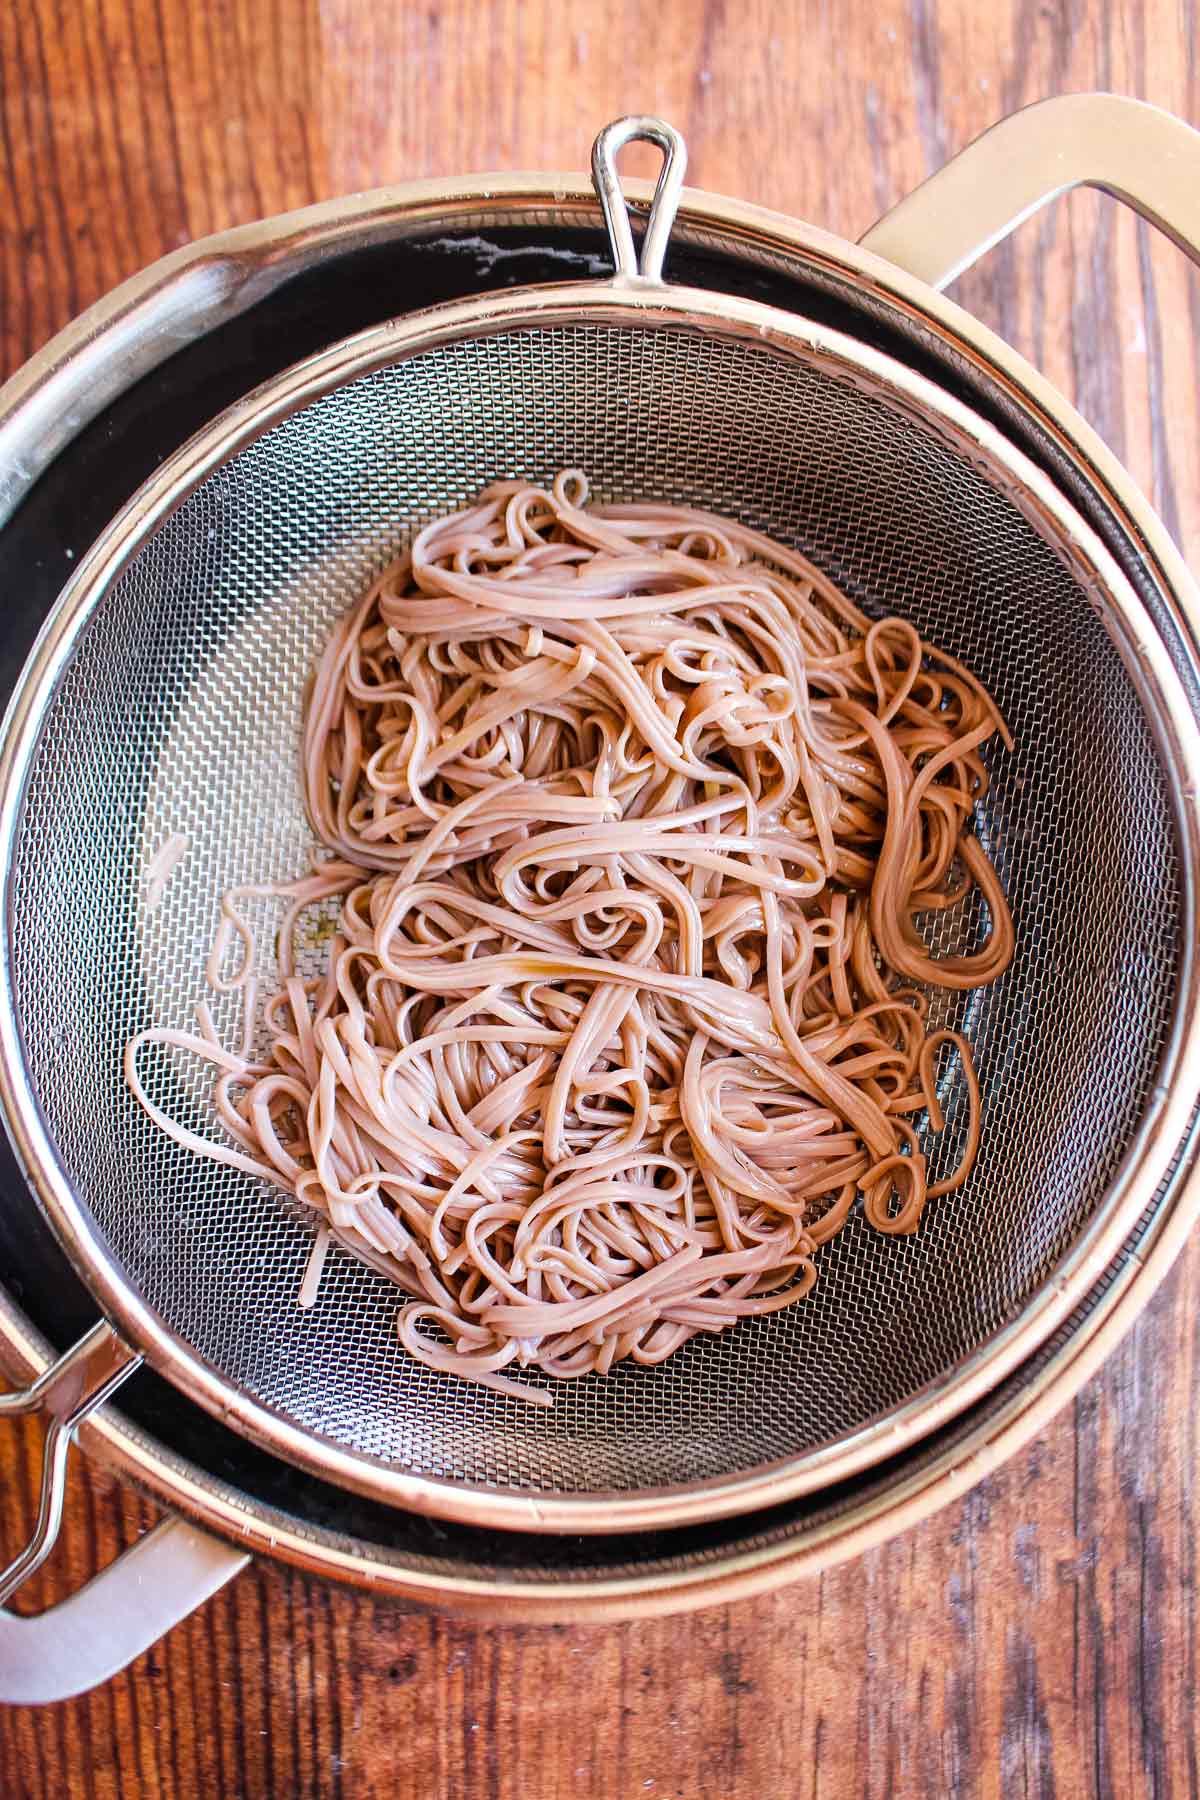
(180,713)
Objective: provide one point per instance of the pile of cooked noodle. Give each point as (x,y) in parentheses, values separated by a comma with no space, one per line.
(630,813)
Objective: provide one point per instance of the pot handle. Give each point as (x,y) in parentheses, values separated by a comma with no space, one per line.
(122,1611)
(1134,151)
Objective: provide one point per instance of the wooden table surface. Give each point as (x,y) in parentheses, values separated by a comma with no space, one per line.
(1038,1639)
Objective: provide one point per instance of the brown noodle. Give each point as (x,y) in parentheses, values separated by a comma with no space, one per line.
(631,812)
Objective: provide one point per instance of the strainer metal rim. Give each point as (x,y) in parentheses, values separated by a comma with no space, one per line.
(1146,1158)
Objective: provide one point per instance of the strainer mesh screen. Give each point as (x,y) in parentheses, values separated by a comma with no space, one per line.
(180,713)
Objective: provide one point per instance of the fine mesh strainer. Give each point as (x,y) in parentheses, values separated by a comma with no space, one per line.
(165,698)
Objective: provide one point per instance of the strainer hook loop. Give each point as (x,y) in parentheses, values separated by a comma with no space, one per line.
(647,129)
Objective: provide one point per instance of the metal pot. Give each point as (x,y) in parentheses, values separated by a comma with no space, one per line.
(151,363)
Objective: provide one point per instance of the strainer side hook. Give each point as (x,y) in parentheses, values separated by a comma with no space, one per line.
(644,128)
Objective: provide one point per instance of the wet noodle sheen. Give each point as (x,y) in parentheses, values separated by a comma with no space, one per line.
(628,813)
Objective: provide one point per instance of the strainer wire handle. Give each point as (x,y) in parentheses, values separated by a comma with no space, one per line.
(129,1605)
(80,1381)
(1135,152)
(643,128)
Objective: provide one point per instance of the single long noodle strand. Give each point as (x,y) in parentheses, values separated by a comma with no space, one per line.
(629,816)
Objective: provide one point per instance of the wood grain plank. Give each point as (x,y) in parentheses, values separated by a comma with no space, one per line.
(1038,1639)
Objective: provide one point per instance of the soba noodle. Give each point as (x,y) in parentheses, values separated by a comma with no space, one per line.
(631,814)
(161,867)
